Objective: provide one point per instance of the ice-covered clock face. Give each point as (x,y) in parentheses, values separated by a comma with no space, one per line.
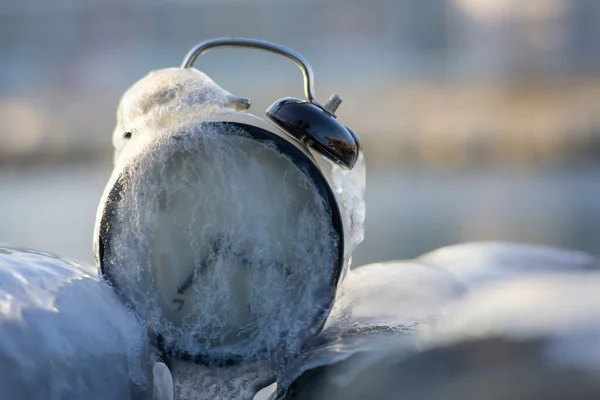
(225,243)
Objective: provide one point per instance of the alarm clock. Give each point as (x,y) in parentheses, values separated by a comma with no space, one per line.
(218,227)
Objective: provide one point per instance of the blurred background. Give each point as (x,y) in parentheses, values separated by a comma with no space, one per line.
(480,119)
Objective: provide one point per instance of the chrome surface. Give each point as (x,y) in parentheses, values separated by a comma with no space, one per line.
(333,103)
(297,58)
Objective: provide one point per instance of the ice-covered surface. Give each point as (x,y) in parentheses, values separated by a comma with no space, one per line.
(64,334)
(558,304)
(234,240)
(377,303)
(533,337)
(234,382)
(350,186)
(482,262)
(399,326)
(158,99)
(470,298)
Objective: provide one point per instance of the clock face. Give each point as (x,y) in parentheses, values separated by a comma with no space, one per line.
(226,244)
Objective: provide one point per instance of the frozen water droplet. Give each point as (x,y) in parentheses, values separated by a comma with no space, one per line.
(163,382)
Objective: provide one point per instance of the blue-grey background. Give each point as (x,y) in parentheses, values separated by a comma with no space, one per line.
(480,119)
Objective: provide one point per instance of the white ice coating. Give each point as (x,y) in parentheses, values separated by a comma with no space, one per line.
(377,303)
(454,294)
(158,100)
(165,98)
(556,305)
(242,225)
(350,186)
(528,336)
(64,334)
(229,222)
(478,263)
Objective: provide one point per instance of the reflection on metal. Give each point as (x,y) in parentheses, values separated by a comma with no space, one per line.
(297,58)
(333,103)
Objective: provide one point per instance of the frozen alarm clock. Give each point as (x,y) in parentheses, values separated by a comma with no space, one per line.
(219,227)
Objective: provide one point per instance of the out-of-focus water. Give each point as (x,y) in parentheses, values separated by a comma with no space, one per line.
(409,211)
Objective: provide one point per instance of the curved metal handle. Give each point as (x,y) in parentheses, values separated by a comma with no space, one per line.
(298,59)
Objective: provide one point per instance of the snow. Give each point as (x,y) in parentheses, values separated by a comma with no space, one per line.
(152,101)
